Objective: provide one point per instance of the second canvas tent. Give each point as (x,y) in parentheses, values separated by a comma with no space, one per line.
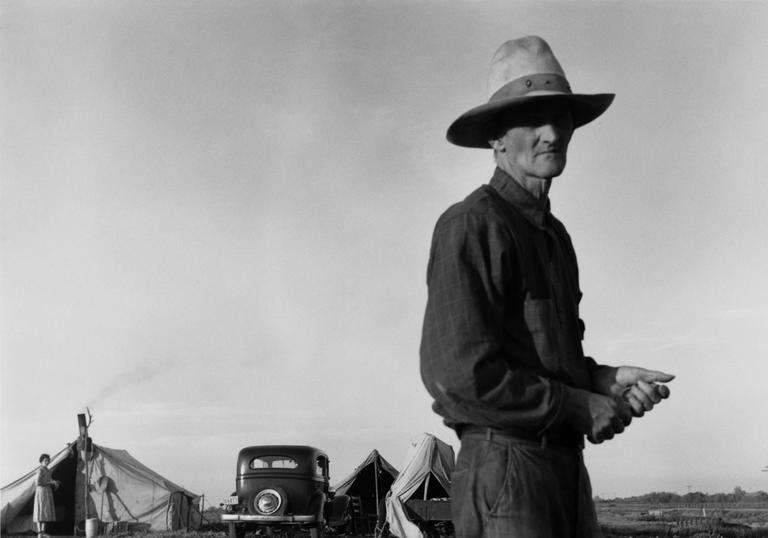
(426,477)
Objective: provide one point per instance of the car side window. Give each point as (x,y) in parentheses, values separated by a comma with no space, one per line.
(273,462)
(322,466)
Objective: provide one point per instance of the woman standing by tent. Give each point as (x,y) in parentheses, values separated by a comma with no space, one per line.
(44,509)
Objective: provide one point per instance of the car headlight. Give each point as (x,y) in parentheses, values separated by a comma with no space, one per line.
(267,502)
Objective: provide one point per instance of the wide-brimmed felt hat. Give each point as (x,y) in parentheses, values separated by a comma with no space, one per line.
(524,73)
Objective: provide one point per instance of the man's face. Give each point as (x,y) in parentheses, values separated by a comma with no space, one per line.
(536,142)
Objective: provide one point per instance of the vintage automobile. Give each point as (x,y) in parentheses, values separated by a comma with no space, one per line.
(283,489)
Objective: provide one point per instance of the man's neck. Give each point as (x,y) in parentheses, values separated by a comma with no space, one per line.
(538,187)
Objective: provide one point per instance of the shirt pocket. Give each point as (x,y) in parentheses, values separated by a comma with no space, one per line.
(541,319)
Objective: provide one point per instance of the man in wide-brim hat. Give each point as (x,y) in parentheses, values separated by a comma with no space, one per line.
(501,346)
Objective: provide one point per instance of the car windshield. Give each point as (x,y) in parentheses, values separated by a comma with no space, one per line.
(273,462)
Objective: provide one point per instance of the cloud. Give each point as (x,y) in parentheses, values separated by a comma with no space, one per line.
(758,313)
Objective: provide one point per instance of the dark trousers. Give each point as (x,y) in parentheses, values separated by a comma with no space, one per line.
(505,487)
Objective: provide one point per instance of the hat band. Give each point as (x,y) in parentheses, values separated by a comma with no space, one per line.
(532,83)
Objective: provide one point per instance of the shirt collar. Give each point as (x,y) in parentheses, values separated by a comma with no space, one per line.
(533,210)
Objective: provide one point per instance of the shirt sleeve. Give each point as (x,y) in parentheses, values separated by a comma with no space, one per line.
(463,363)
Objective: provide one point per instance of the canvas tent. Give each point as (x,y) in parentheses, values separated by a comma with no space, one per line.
(124,495)
(368,486)
(426,476)
(17,497)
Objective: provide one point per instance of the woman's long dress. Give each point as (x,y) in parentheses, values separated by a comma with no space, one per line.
(44,509)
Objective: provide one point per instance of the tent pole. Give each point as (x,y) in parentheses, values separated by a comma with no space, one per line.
(83,428)
(74,518)
(85,470)
(376,482)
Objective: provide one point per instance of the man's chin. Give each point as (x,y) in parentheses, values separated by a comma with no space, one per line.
(551,164)
(552,171)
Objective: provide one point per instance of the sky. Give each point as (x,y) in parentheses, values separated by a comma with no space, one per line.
(215,219)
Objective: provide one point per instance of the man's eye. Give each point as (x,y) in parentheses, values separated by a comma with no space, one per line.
(535,120)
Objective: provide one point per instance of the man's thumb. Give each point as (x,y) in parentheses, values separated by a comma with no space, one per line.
(651,376)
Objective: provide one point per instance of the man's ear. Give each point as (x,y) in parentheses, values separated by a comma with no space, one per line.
(496,144)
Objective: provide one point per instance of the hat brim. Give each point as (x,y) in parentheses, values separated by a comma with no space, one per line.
(475,127)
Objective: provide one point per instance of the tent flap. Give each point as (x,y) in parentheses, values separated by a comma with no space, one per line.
(429,460)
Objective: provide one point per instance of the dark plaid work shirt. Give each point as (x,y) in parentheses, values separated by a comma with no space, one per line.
(502,334)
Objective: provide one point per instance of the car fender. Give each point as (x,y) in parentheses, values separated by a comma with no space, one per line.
(316,505)
(337,510)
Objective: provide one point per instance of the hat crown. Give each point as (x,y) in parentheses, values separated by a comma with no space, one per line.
(516,58)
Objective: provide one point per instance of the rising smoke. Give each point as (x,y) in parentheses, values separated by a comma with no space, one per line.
(138,373)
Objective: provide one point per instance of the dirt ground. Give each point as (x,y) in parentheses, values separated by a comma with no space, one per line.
(616,519)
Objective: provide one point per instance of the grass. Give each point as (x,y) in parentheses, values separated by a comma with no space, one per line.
(617,520)
(635,520)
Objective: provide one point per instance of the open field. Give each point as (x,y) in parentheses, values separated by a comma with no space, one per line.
(617,519)
(622,530)
(625,520)
(710,520)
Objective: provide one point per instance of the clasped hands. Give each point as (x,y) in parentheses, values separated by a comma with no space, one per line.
(618,394)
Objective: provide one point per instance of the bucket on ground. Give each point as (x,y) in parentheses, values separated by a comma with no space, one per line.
(91,527)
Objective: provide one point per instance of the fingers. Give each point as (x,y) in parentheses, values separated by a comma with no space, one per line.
(647,394)
(624,412)
(611,417)
(599,437)
(617,426)
(644,395)
(654,392)
(638,408)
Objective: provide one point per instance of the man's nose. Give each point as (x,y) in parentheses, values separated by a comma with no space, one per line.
(554,133)
(549,132)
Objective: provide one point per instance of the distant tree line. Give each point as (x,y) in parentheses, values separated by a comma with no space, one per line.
(696,497)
